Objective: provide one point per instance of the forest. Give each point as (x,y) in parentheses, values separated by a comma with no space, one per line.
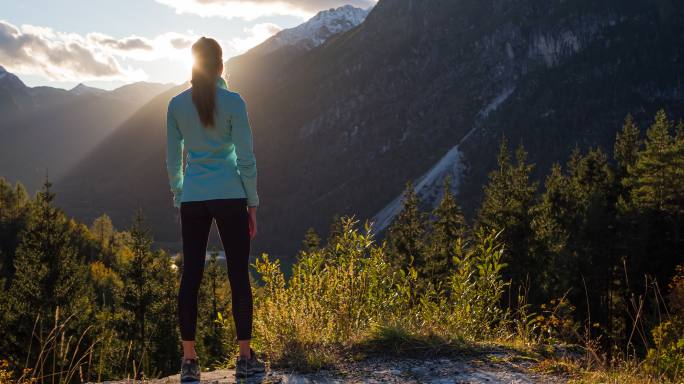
(589,261)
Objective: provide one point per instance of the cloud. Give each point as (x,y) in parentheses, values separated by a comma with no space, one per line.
(252,9)
(181,42)
(71,57)
(127,44)
(255,36)
(58,56)
(167,45)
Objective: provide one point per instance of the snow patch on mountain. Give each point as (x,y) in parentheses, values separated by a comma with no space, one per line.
(429,187)
(317,30)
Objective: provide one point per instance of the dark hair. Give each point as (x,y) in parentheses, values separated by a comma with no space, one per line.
(208,65)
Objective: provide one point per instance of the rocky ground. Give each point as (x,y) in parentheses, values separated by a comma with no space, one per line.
(494,367)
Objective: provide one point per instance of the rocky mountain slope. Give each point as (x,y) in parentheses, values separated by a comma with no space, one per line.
(424,89)
(50,129)
(262,68)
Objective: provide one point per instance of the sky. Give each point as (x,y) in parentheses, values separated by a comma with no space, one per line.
(106,44)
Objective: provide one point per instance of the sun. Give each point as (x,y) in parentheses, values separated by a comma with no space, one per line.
(184,59)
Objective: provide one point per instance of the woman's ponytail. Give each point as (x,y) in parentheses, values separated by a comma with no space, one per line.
(208,65)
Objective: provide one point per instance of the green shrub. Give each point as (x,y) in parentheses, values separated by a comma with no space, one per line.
(341,294)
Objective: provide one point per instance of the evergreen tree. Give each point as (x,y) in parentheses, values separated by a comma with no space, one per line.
(150,298)
(164,334)
(214,294)
(652,207)
(14,212)
(509,197)
(447,228)
(574,224)
(552,220)
(656,180)
(103,230)
(50,275)
(592,240)
(627,144)
(407,234)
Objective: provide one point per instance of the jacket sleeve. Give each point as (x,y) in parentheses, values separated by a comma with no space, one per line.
(174,156)
(246,162)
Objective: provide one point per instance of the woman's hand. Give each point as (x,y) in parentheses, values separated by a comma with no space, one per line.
(252,222)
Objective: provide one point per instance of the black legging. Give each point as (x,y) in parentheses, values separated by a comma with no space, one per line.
(232,221)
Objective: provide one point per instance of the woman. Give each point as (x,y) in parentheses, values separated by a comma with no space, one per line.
(219,183)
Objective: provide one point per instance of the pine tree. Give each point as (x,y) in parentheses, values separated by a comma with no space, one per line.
(162,317)
(103,230)
(150,298)
(652,210)
(593,231)
(407,234)
(551,224)
(656,180)
(214,292)
(14,212)
(574,224)
(508,201)
(50,275)
(627,144)
(448,226)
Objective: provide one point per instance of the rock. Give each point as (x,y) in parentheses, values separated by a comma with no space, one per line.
(490,368)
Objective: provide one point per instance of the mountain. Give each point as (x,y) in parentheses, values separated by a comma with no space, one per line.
(316,31)
(82,89)
(263,67)
(45,129)
(86,191)
(14,95)
(124,172)
(425,89)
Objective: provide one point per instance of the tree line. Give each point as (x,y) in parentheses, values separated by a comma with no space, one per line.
(602,231)
(599,241)
(94,293)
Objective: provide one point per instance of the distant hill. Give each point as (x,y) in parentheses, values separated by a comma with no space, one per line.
(418,91)
(44,128)
(126,171)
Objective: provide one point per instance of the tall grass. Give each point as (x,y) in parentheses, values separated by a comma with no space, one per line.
(58,356)
(348,292)
(61,357)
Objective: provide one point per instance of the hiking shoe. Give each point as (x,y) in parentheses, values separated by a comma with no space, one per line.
(247,367)
(190,371)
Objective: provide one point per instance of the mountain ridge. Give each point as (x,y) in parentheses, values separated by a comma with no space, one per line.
(341,127)
(315,31)
(47,130)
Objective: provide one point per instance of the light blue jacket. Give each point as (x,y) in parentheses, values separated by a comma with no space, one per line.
(220,163)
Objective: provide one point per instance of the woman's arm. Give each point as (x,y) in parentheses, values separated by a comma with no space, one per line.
(246,162)
(174,156)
